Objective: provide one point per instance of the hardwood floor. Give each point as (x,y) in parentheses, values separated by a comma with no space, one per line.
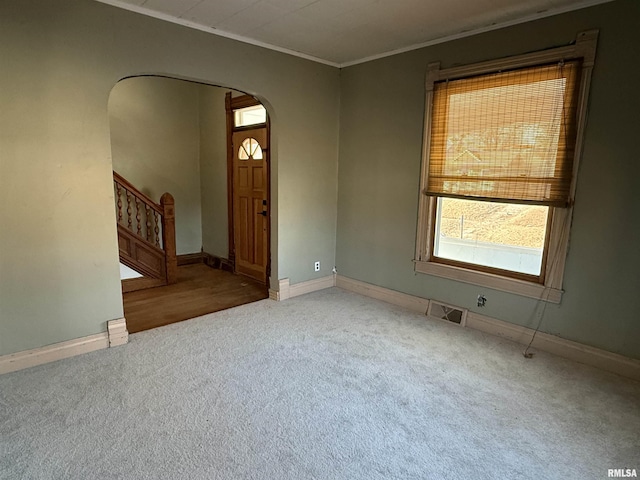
(200,290)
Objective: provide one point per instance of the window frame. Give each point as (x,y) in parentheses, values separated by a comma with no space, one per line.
(248,125)
(549,288)
(488,269)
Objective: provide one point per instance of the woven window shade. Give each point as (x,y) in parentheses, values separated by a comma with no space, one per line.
(507,136)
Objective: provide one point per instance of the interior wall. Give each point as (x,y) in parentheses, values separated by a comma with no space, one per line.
(155,144)
(169,135)
(213,170)
(59,275)
(382,108)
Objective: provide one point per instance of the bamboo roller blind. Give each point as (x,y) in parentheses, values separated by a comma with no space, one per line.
(506,136)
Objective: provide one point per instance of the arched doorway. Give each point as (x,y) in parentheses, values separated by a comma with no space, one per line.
(170,135)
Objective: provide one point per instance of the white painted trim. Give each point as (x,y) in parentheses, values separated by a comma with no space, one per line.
(468,33)
(309,286)
(118,333)
(583,47)
(51,353)
(417,304)
(221,33)
(595,357)
(489,280)
(286,291)
(283,289)
(612,362)
(115,335)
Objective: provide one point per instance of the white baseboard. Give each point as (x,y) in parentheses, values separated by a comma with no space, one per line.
(285,290)
(50,353)
(282,293)
(118,333)
(298,289)
(417,304)
(115,335)
(611,362)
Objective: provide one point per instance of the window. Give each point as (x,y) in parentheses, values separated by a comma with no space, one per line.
(500,156)
(254,115)
(503,237)
(250,148)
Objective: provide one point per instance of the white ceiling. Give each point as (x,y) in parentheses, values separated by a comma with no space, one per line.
(345,32)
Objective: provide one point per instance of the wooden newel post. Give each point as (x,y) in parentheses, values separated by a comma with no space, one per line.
(169,236)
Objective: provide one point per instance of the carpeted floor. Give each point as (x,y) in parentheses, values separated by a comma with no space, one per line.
(330,385)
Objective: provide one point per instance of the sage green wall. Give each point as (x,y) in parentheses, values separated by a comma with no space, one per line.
(155,144)
(213,171)
(382,108)
(59,276)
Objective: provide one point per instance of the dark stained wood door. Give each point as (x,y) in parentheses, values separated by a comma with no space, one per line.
(250,196)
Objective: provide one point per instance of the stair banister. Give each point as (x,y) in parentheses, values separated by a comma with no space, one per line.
(169,236)
(139,234)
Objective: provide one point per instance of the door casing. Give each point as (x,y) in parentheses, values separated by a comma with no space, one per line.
(231,104)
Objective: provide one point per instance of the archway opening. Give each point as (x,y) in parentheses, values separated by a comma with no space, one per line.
(172,135)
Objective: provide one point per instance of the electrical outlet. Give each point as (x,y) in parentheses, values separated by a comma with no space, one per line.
(482,300)
(316,266)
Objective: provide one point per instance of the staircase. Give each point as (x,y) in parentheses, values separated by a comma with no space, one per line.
(146,236)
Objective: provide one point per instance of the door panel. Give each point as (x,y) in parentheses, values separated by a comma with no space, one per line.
(250,188)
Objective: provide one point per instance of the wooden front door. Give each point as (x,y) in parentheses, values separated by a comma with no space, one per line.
(250,196)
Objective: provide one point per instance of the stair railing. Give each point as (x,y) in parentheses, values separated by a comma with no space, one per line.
(146,231)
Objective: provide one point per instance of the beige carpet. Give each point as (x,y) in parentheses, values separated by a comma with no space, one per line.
(330,385)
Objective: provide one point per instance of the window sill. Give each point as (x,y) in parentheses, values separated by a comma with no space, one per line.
(489,280)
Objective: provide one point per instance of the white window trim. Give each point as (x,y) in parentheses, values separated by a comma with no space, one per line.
(585,48)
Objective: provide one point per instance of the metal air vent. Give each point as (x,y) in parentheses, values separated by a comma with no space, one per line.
(447,312)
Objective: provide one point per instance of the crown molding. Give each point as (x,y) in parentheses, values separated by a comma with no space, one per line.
(221,33)
(240,38)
